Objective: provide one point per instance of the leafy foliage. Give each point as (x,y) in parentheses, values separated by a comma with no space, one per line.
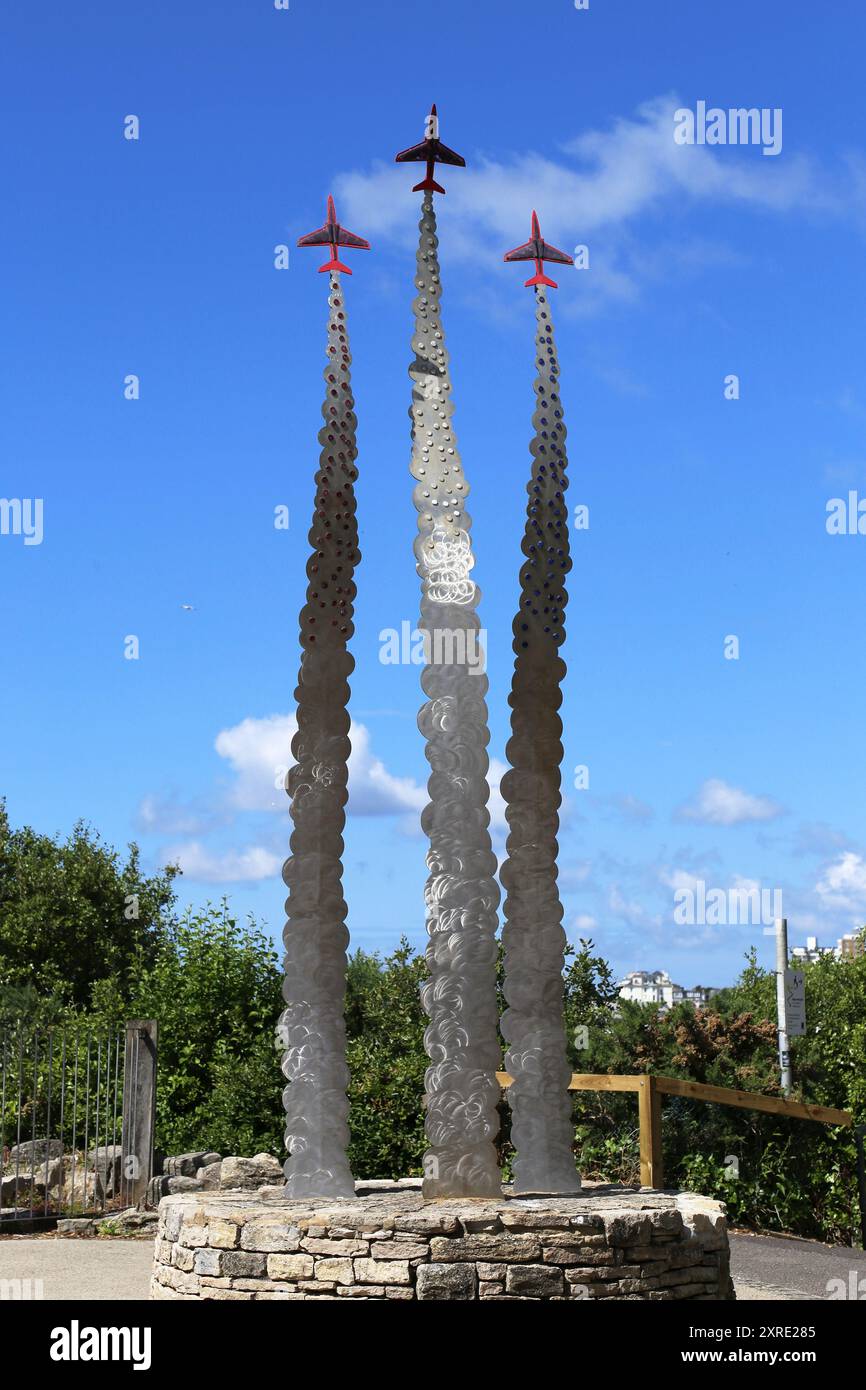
(70,954)
(385,1024)
(72,914)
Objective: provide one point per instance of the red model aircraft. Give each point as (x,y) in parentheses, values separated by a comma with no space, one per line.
(333,235)
(539,250)
(433,152)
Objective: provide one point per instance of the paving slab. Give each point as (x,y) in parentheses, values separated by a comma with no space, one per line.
(76,1271)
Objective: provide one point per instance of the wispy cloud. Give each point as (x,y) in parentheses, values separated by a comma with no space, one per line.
(257,755)
(718,803)
(229,866)
(602,182)
(842,886)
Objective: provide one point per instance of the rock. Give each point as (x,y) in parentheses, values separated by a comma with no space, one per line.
(133,1221)
(107,1161)
(157,1188)
(456,1281)
(209,1175)
(209,1159)
(273,1194)
(79,1226)
(183,1165)
(249,1174)
(9,1191)
(183,1184)
(83,1189)
(34,1152)
(32,1187)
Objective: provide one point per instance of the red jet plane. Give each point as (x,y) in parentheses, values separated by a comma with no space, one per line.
(539,250)
(433,152)
(333,235)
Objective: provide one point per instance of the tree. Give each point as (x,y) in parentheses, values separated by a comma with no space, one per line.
(387,1062)
(214,987)
(72,914)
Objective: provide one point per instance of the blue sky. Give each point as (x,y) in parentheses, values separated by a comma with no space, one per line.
(707,516)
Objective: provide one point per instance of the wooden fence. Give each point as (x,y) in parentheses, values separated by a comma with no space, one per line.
(650,1090)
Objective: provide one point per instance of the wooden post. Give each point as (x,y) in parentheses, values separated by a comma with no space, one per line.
(650,1112)
(139,1109)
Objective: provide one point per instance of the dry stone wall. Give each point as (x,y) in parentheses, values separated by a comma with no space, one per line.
(607,1243)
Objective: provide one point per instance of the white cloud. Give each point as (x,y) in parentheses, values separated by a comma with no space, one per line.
(842,886)
(718,803)
(584,922)
(603,181)
(259,753)
(169,815)
(630,911)
(232,866)
(628,809)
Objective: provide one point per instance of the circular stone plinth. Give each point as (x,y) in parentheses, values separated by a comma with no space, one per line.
(609,1242)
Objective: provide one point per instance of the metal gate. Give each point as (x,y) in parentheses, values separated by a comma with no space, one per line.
(76,1120)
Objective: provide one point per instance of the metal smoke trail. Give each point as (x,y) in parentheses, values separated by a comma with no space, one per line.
(462,895)
(312,1026)
(533,938)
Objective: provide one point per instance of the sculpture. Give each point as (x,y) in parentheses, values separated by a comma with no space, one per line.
(312,1026)
(462,895)
(533,938)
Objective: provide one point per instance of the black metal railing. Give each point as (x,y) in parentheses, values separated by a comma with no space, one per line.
(69,1103)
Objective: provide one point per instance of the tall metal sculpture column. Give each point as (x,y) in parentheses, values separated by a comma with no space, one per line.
(462,895)
(533,937)
(312,1026)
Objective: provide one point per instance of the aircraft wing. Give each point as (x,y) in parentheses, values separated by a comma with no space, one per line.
(417,154)
(528,252)
(319,238)
(550,253)
(345,238)
(433,150)
(446,156)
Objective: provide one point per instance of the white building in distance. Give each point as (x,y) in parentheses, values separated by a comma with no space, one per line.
(847,946)
(657,987)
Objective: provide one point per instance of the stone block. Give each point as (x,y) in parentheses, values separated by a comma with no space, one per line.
(271,1234)
(222,1234)
(241,1264)
(517,1218)
(209,1176)
(382,1271)
(208,1262)
(335,1247)
(177,1186)
(182,1165)
(290,1267)
(399,1250)
(628,1228)
(486,1247)
(194,1236)
(534,1281)
(337,1271)
(249,1174)
(446,1281)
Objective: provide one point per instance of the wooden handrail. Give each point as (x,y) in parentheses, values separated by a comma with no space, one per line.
(651,1088)
(751,1100)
